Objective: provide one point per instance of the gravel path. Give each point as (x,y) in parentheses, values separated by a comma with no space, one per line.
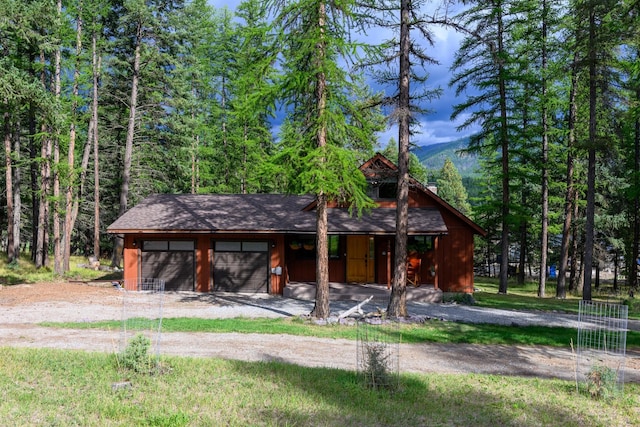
(23,307)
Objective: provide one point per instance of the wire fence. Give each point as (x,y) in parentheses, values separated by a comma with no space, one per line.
(378,353)
(601,345)
(142,305)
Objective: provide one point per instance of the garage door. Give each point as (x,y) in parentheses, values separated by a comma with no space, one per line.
(241,266)
(171,260)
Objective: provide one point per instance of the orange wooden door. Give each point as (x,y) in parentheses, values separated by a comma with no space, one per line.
(360,259)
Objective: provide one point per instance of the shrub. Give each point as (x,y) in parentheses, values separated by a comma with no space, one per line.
(376,368)
(601,382)
(136,355)
(459,298)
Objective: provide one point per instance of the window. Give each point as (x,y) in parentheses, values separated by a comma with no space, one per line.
(420,244)
(255,247)
(382,190)
(241,246)
(334,247)
(224,246)
(181,245)
(388,190)
(155,245)
(168,245)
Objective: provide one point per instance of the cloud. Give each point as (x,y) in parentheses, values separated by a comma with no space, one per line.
(430,132)
(435,127)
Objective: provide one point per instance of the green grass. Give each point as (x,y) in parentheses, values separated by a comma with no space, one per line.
(24,271)
(56,387)
(524,297)
(431,331)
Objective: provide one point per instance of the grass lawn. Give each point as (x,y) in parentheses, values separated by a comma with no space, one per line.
(524,297)
(55,387)
(430,331)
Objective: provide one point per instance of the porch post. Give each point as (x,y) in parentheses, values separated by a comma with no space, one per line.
(389,263)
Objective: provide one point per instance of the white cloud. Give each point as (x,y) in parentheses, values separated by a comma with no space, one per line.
(430,132)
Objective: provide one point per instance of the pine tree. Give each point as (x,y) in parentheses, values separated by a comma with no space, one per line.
(484,61)
(406,103)
(322,122)
(450,188)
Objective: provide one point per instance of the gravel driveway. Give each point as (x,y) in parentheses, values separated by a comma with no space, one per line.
(24,306)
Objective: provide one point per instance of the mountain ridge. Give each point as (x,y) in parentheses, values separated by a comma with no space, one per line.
(433,157)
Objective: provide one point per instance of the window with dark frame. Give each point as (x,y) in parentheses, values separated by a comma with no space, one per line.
(334,247)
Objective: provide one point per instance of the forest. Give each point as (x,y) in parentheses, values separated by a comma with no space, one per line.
(104,102)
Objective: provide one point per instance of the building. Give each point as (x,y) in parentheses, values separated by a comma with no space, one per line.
(260,242)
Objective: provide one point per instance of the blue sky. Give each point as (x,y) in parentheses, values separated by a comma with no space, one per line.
(437,126)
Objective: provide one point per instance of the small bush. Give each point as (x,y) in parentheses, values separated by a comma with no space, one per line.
(376,368)
(136,356)
(459,298)
(601,382)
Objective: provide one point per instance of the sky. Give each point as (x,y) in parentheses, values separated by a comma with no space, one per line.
(435,127)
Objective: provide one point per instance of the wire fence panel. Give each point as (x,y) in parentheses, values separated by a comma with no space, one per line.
(378,353)
(602,344)
(142,304)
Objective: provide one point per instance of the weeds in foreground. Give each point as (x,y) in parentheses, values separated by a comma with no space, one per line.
(376,367)
(136,356)
(601,382)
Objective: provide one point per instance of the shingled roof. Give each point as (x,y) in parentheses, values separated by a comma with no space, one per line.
(261,213)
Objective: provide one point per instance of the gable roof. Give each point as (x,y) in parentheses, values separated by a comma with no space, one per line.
(261,213)
(379,165)
(269,213)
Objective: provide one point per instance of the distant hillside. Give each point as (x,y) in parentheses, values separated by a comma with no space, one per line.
(433,157)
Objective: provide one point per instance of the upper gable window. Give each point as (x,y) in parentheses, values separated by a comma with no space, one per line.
(383,190)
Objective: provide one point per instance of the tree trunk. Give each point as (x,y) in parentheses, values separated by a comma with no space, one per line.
(574,274)
(96,63)
(8,184)
(69,218)
(561,291)
(544,240)
(17,200)
(34,185)
(57,244)
(42,237)
(194,155)
(128,149)
(321,309)
(504,144)
(589,228)
(398,300)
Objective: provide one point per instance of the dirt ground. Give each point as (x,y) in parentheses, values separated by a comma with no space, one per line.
(22,307)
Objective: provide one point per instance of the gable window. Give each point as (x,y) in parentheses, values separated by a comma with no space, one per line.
(382,190)
(388,190)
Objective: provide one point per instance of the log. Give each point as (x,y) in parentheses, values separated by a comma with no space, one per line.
(357,307)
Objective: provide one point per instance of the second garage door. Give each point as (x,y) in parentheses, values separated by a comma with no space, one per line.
(241,266)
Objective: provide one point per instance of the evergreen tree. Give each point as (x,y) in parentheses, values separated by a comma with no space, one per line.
(417,170)
(322,122)
(405,20)
(450,188)
(485,63)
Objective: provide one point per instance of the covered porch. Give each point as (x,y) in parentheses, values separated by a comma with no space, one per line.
(360,292)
